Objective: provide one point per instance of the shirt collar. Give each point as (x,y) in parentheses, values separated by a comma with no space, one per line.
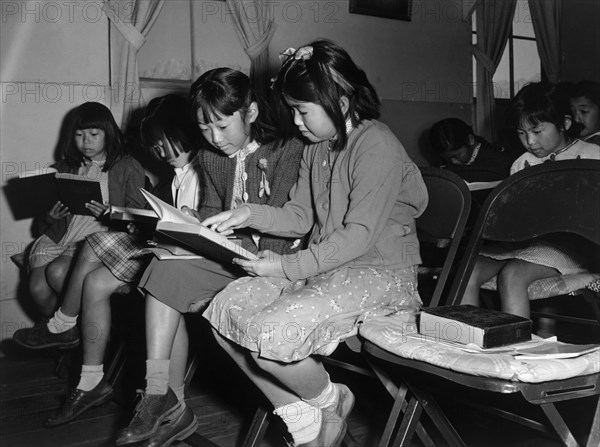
(249,149)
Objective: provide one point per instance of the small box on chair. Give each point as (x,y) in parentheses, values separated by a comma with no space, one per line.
(466,324)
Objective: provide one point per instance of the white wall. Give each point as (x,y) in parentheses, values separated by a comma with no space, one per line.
(53,57)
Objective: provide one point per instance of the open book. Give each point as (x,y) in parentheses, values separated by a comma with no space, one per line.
(36,191)
(189,231)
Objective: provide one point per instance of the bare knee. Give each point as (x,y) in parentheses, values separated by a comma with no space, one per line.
(514,274)
(38,286)
(95,289)
(56,273)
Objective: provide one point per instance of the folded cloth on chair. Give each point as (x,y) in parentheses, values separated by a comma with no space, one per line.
(392,335)
(554,286)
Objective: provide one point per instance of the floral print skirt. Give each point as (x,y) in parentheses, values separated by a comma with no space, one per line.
(289,321)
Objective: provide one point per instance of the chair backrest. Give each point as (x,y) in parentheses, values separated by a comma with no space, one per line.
(443,222)
(554,197)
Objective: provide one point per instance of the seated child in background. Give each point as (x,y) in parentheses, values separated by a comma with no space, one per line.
(249,163)
(461,151)
(94,147)
(110,259)
(585,106)
(357,197)
(541,115)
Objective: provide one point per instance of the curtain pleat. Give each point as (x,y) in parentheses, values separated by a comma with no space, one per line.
(545,16)
(494,19)
(131,21)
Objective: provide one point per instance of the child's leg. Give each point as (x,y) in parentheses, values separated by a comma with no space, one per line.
(98,287)
(57,272)
(313,409)
(159,402)
(513,281)
(42,294)
(86,262)
(485,268)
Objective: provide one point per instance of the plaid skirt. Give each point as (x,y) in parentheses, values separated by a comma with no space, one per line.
(289,321)
(121,253)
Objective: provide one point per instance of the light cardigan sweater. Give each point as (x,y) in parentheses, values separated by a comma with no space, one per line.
(361,206)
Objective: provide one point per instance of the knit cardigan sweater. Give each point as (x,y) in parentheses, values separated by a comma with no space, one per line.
(279,161)
(125,178)
(360,202)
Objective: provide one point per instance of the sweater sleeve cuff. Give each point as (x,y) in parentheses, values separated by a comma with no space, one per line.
(258,218)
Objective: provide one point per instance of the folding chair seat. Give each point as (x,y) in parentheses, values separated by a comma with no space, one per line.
(440,229)
(548,199)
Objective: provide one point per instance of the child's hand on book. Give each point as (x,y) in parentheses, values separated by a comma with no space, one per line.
(96,208)
(269,264)
(227,221)
(57,212)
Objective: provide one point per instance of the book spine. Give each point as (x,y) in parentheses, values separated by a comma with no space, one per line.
(506,335)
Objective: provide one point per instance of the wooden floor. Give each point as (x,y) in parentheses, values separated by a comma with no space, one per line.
(222,399)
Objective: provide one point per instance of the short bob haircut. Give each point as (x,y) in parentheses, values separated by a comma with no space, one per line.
(314,80)
(169,117)
(449,135)
(587,89)
(541,102)
(223,91)
(93,115)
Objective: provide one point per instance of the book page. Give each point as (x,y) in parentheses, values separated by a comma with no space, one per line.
(554,350)
(477,186)
(39,171)
(131,214)
(166,212)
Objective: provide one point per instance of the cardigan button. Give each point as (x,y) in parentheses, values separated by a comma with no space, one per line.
(325,205)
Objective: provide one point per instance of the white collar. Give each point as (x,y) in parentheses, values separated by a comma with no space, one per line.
(249,149)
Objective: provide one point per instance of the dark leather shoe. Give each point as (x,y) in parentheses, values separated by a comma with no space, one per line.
(177,429)
(151,410)
(39,337)
(79,401)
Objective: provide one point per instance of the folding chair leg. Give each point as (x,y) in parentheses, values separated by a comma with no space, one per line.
(115,367)
(409,421)
(437,415)
(399,405)
(258,427)
(559,425)
(594,438)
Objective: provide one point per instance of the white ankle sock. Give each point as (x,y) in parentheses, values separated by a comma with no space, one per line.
(60,322)
(91,375)
(157,376)
(327,398)
(179,392)
(302,420)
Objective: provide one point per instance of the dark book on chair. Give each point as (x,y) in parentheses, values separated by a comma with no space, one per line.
(36,192)
(467,324)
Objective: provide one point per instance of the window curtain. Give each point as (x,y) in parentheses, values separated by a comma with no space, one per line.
(255,28)
(545,16)
(131,21)
(494,20)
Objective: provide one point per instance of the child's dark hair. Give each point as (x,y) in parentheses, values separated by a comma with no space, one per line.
(449,135)
(541,102)
(169,117)
(587,89)
(93,115)
(322,72)
(222,92)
